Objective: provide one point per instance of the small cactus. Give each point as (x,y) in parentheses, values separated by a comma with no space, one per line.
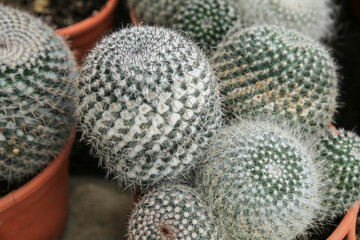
(148,104)
(312,18)
(205,21)
(37,96)
(172,212)
(261,181)
(340,150)
(278,71)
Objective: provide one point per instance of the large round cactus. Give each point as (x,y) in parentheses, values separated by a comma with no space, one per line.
(281,72)
(313,18)
(148,103)
(261,181)
(37,96)
(340,150)
(172,212)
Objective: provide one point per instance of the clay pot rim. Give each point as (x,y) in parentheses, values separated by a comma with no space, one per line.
(21,194)
(85,25)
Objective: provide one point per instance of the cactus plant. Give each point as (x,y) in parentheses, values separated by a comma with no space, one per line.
(205,21)
(172,212)
(313,18)
(340,150)
(278,71)
(148,103)
(37,95)
(261,181)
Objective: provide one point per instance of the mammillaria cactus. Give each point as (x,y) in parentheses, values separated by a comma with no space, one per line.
(205,21)
(279,71)
(260,181)
(313,18)
(148,104)
(37,96)
(340,150)
(172,212)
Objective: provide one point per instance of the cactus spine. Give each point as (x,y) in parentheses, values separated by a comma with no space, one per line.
(37,95)
(281,72)
(172,212)
(148,104)
(260,181)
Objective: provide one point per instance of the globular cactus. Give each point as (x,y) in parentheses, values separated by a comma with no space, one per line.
(340,150)
(148,104)
(261,181)
(37,95)
(205,21)
(312,18)
(172,212)
(278,71)
(158,12)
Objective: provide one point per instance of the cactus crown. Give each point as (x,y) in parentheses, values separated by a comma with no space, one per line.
(172,212)
(313,18)
(281,72)
(37,113)
(340,150)
(260,181)
(148,103)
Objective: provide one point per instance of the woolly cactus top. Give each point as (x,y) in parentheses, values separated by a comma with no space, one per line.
(172,212)
(261,181)
(340,150)
(283,72)
(37,113)
(148,104)
(313,18)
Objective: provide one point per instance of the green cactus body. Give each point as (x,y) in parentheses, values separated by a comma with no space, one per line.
(159,12)
(148,103)
(206,22)
(281,72)
(313,18)
(340,150)
(172,212)
(37,96)
(260,181)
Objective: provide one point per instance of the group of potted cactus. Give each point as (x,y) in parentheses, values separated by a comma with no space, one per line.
(219,123)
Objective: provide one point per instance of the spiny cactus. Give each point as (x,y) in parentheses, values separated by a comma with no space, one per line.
(172,212)
(37,95)
(313,18)
(279,71)
(158,12)
(340,150)
(148,102)
(205,21)
(261,181)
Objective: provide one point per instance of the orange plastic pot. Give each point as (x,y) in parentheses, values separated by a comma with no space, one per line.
(38,209)
(83,35)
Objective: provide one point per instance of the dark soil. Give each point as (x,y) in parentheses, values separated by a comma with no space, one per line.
(59,13)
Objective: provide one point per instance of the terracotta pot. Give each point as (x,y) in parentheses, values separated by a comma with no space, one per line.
(347,227)
(38,209)
(133,18)
(355,6)
(83,35)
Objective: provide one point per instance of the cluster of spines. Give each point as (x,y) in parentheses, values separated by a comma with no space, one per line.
(148,104)
(172,212)
(261,181)
(37,71)
(278,71)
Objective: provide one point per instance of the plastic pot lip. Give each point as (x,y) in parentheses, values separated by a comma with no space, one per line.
(90,22)
(21,194)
